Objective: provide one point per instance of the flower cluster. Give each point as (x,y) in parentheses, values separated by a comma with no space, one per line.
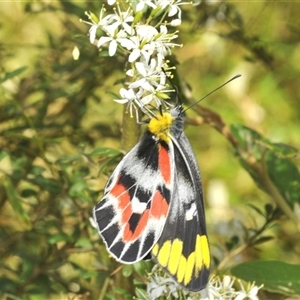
(141,32)
(163,286)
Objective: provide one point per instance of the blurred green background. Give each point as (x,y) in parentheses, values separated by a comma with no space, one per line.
(57,121)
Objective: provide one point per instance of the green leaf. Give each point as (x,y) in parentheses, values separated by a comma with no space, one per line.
(127,270)
(142,267)
(285,175)
(284,150)
(15,199)
(12,74)
(141,294)
(273,157)
(47,184)
(77,188)
(276,276)
(105,152)
(263,239)
(37,170)
(249,139)
(13,297)
(257,209)
(26,193)
(83,243)
(67,159)
(7,285)
(59,237)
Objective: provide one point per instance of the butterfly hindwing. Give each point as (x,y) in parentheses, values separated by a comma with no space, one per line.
(132,213)
(182,249)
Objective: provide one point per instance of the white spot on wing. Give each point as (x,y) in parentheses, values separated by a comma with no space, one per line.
(189,214)
(137,206)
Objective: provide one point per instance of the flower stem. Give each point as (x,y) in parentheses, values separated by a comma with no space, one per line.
(131,130)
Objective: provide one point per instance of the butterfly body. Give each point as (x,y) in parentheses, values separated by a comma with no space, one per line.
(153,204)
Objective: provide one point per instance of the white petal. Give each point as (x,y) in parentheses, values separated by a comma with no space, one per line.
(146,55)
(123,92)
(146,31)
(163,29)
(141,68)
(103,40)
(130,73)
(134,55)
(121,101)
(240,297)
(128,28)
(127,43)
(146,100)
(253,291)
(92,34)
(112,49)
(175,22)
(140,6)
(173,11)
(153,64)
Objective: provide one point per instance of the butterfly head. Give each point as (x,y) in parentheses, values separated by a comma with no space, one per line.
(167,123)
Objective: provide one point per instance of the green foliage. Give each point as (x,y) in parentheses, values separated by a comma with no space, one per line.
(60,135)
(268,165)
(276,276)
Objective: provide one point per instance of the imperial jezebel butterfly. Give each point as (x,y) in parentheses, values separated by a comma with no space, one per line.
(153,204)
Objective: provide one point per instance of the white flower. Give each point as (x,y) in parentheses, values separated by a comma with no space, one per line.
(175,22)
(113,39)
(111,2)
(121,18)
(144,3)
(128,31)
(147,75)
(161,286)
(137,49)
(143,43)
(128,96)
(155,96)
(96,23)
(249,294)
(163,41)
(174,9)
(146,33)
(218,289)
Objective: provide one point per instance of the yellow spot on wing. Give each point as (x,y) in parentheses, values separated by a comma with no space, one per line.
(155,249)
(202,251)
(164,253)
(205,251)
(189,268)
(181,269)
(170,256)
(199,251)
(176,251)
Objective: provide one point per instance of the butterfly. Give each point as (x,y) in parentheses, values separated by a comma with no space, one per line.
(153,204)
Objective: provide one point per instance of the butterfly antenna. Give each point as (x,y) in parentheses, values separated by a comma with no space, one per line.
(231,79)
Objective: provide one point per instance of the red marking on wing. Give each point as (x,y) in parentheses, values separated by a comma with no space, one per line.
(124,203)
(120,192)
(129,235)
(141,225)
(159,205)
(126,214)
(164,164)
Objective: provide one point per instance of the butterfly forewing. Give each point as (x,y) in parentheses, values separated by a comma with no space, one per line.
(132,213)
